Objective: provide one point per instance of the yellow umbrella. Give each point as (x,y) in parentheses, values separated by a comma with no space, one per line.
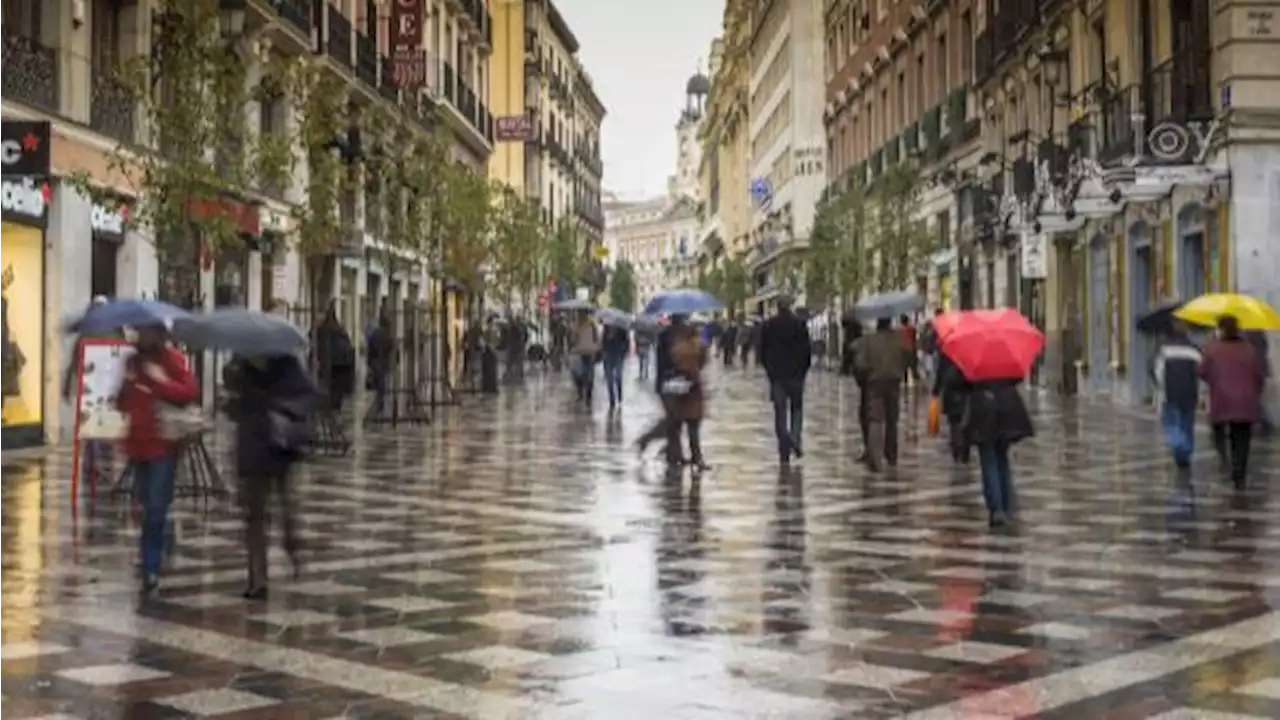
(1252,313)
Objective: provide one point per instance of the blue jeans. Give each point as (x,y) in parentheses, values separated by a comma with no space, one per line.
(997,477)
(788,414)
(642,360)
(1179,432)
(613,379)
(153,487)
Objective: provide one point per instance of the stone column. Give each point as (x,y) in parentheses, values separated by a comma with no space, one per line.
(68,279)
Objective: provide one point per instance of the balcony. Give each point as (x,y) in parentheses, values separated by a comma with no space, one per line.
(1115,120)
(891,152)
(295,12)
(484,118)
(448,83)
(111,106)
(387,79)
(467,105)
(367,59)
(1179,90)
(30,72)
(339,37)
(984,57)
(911,140)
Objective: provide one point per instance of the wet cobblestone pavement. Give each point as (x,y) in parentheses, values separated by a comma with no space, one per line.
(518,560)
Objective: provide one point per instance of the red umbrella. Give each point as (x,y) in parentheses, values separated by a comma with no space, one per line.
(991,344)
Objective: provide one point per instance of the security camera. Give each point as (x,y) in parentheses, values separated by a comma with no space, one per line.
(1115,196)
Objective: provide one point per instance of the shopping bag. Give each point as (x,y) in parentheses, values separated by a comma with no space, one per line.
(935,416)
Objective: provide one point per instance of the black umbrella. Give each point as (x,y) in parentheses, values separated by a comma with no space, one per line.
(1160,320)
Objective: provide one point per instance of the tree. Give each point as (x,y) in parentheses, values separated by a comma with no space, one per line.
(622,286)
(466,222)
(517,245)
(735,283)
(563,258)
(898,238)
(193,91)
(835,264)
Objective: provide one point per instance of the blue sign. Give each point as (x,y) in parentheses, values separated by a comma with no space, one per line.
(762,193)
(684,244)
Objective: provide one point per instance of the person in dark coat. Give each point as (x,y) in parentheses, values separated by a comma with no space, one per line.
(997,418)
(271,404)
(952,390)
(1175,370)
(786,354)
(615,344)
(335,359)
(1232,369)
(683,396)
(664,369)
(379,356)
(881,358)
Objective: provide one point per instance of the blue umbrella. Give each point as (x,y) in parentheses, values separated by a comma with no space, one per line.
(685,301)
(615,318)
(888,305)
(243,332)
(116,314)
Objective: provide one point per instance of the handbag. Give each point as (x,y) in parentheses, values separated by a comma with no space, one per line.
(176,423)
(287,432)
(677,386)
(935,416)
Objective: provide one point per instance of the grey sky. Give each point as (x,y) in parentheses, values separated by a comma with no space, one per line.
(640,53)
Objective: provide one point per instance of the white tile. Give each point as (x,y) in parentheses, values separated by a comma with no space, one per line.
(116,674)
(975,652)
(1057,631)
(845,636)
(206,541)
(1267,687)
(880,677)
(497,657)
(508,620)
(22,651)
(222,701)
(964,572)
(1198,714)
(1017,598)
(1078,583)
(1149,613)
(204,601)
(389,636)
(521,565)
(1204,594)
(323,588)
(424,576)
(292,618)
(366,545)
(410,604)
(898,587)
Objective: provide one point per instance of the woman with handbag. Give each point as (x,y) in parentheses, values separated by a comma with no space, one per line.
(156,386)
(272,403)
(683,396)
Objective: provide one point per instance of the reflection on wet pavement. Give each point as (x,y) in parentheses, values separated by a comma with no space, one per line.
(517,560)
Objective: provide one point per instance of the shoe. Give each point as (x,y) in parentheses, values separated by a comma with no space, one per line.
(699,465)
(150,582)
(997,519)
(258,593)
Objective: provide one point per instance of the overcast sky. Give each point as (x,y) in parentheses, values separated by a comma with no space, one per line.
(639,54)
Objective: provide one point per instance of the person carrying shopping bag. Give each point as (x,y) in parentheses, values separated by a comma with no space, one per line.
(157,385)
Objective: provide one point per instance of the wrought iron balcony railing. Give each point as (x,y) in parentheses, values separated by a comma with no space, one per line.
(30,72)
(1115,123)
(467,104)
(367,59)
(1179,90)
(296,12)
(387,79)
(339,36)
(111,107)
(984,57)
(448,83)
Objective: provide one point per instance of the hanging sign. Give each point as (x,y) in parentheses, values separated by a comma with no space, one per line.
(408,62)
(102,363)
(1035,256)
(108,222)
(25,198)
(25,149)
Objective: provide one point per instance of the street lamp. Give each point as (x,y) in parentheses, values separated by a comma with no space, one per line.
(231,17)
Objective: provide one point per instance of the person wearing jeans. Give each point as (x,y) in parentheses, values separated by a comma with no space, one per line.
(786,354)
(998,419)
(1175,370)
(1233,370)
(614,346)
(155,375)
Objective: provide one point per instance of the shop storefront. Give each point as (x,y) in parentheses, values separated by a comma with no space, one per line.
(107,228)
(23,204)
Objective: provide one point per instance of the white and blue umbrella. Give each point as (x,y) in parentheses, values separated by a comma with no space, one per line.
(574,304)
(115,315)
(685,301)
(243,332)
(615,318)
(888,305)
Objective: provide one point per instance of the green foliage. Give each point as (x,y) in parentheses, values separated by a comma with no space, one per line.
(897,237)
(835,266)
(622,286)
(466,222)
(563,259)
(729,282)
(517,246)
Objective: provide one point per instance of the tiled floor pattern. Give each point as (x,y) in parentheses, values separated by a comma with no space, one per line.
(516,559)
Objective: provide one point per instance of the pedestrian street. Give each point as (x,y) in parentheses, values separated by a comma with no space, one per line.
(517,559)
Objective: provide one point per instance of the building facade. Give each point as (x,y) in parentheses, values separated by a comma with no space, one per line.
(588,166)
(787,138)
(507,92)
(59,61)
(655,236)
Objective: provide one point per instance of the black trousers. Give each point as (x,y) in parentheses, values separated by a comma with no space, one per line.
(255,493)
(1232,441)
(668,428)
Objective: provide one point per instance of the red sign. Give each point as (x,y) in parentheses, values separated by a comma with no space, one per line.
(513,128)
(542,301)
(406,24)
(408,67)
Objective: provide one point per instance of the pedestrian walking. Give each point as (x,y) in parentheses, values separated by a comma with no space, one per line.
(156,379)
(379,356)
(728,344)
(929,346)
(1233,371)
(911,373)
(881,359)
(786,354)
(335,359)
(615,344)
(644,348)
(271,405)
(586,348)
(681,357)
(997,418)
(1175,371)
(952,390)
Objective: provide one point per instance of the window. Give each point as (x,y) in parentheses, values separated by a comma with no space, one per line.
(22,18)
(966,45)
(105,44)
(944,78)
(922,82)
(904,101)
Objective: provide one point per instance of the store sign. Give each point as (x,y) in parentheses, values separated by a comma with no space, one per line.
(513,128)
(25,149)
(408,64)
(25,198)
(107,221)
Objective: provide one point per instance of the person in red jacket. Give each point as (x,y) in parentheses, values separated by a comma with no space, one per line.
(156,373)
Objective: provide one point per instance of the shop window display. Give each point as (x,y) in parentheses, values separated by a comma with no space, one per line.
(23,310)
